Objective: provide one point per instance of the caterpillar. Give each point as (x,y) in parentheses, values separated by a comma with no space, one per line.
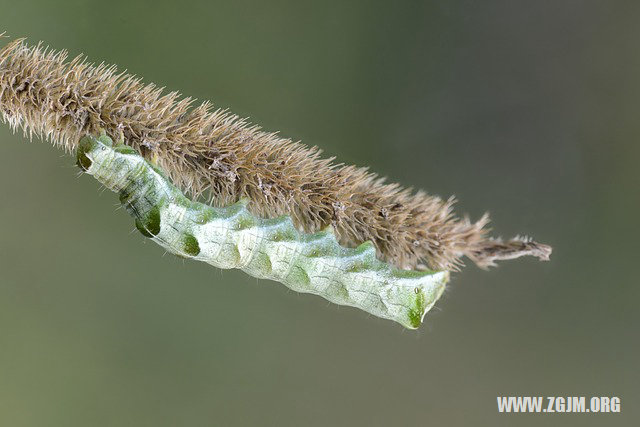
(231,237)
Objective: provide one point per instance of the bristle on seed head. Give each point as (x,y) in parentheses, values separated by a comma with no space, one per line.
(216,153)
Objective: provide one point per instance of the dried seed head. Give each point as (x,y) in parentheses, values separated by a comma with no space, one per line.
(216,153)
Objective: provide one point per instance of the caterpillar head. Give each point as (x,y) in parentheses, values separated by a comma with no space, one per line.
(91,149)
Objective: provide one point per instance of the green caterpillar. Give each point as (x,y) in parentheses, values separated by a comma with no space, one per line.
(231,237)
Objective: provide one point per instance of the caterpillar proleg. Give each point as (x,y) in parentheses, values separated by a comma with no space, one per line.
(231,237)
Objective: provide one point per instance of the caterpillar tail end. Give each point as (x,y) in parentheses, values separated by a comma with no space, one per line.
(422,298)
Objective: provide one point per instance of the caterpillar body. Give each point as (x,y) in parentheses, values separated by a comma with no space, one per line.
(231,237)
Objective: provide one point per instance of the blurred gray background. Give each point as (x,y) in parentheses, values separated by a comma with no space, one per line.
(526,109)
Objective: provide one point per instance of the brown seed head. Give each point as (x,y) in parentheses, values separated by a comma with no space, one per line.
(216,153)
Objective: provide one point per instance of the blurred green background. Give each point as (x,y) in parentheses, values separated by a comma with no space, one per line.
(526,109)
